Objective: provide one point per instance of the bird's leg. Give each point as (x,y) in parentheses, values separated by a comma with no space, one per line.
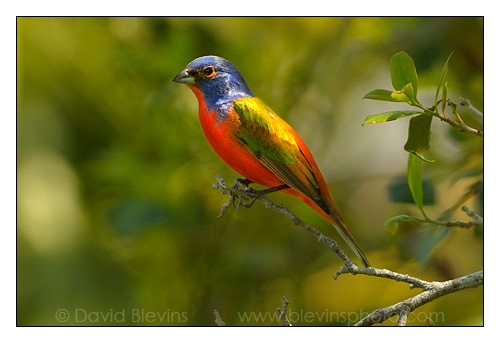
(254,193)
(240,182)
(258,193)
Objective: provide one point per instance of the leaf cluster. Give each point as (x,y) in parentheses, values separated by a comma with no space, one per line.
(405,82)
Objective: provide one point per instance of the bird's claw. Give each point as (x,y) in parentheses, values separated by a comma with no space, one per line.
(243,183)
(251,194)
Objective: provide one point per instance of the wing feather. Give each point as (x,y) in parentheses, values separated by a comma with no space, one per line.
(274,143)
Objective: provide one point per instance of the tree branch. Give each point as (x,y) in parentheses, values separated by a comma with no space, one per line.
(438,289)
(478,220)
(218,319)
(430,290)
(282,312)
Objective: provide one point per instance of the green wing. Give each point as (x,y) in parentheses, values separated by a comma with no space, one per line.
(276,145)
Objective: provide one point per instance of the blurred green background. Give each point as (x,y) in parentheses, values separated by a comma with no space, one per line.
(116,216)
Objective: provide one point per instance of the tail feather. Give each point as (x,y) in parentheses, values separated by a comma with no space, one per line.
(349,239)
(329,211)
(338,223)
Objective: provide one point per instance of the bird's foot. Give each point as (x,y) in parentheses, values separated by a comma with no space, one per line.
(242,183)
(241,191)
(255,194)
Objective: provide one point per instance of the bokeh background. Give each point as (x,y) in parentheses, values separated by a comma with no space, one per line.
(116,216)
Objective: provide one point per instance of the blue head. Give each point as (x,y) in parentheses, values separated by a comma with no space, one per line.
(217,79)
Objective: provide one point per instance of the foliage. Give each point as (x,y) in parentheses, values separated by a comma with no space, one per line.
(405,81)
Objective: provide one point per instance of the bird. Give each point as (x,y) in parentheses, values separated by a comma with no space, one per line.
(255,142)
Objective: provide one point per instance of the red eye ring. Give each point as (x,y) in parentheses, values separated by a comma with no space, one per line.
(209,71)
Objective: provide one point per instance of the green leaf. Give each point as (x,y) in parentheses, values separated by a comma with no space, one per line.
(385,95)
(454,109)
(392,224)
(413,173)
(445,96)
(419,136)
(403,72)
(408,91)
(388,116)
(441,79)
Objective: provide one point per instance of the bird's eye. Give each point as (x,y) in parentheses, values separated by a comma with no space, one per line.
(209,71)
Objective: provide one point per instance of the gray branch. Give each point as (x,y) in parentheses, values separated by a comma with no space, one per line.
(218,319)
(467,104)
(437,290)
(430,290)
(282,312)
(477,218)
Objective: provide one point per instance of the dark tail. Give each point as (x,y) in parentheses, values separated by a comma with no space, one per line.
(326,207)
(349,239)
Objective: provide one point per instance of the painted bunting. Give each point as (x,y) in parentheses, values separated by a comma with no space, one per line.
(249,137)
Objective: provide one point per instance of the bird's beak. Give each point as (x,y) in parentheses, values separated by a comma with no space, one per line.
(184,77)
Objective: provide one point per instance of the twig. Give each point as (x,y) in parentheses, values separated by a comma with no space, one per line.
(456,223)
(467,104)
(462,127)
(477,218)
(403,316)
(282,312)
(430,290)
(218,319)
